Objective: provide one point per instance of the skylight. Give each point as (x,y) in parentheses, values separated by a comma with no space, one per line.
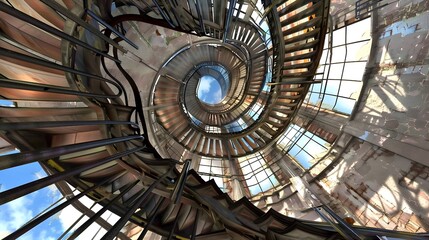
(209,90)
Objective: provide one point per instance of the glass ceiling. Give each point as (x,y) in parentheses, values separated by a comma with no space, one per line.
(341,75)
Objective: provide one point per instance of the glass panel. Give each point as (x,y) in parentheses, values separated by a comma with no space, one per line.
(349,87)
(354,71)
(338,37)
(304,159)
(345,105)
(333,87)
(338,54)
(359,30)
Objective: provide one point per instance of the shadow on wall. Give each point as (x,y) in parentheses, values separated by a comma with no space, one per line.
(384,189)
(381,188)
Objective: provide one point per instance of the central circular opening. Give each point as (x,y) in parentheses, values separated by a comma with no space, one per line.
(210,90)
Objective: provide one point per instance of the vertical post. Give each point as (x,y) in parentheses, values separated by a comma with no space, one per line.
(180,184)
(345,226)
(124,219)
(48,153)
(194,228)
(101,211)
(229,17)
(74,224)
(170,234)
(151,219)
(116,32)
(64,11)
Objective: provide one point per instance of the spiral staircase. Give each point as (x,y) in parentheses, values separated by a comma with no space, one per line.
(78,113)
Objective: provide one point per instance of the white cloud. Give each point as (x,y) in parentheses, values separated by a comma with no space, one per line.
(53,191)
(217,96)
(209,90)
(44,235)
(69,215)
(15,214)
(205,85)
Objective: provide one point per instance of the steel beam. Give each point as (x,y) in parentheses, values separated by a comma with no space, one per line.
(26,18)
(124,219)
(36,221)
(116,32)
(180,184)
(64,11)
(151,219)
(91,220)
(18,159)
(25,189)
(15,55)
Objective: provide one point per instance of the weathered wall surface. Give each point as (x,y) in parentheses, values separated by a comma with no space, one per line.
(398,90)
(382,176)
(380,188)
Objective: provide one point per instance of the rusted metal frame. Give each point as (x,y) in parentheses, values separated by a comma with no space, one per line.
(124,219)
(26,18)
(151,219)
(38,61)
(25,189)
(51,124)
(36,221)
(105,24)
(91,220)
(64,11)
(18,159)
(180,184)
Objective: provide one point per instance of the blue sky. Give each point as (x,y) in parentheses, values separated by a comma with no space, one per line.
(16,213)
(209,90)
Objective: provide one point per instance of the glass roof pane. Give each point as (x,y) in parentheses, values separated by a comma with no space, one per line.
(304,159)
(345,105)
